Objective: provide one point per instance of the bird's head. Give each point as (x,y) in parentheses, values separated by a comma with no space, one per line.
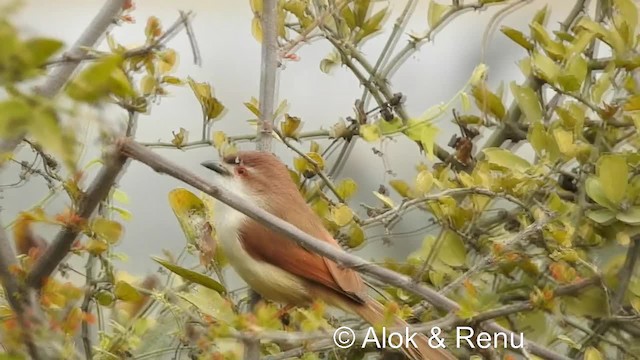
(259,172)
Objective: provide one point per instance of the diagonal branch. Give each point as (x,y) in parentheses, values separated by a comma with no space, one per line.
(138,152)
(97,191)
(61,74)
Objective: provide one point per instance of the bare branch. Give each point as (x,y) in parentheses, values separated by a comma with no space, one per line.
(97,191)
(138,152)
(268,73)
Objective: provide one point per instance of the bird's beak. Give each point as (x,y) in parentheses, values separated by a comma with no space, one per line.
(216,166)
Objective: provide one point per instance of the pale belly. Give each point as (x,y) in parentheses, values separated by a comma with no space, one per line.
(269,281)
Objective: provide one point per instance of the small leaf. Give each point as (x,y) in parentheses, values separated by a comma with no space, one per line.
(125,292)
(435,13)
(256,29)
(385,199)
(592,354)
(595,192)
(401,187)
(41,49)
(506,159)
(452,252)
(517,37)
(342,215)
(631,216)
(347,188)
(329,62)
(370,132)
(545,68)
(179,138)
(613,174)
(108,230)
(602,216)
(192,276)
(356,236)
(488,101)
(290,127)
(528,102)
(424,181)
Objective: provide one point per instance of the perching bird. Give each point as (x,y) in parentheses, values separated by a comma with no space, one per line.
(275,266)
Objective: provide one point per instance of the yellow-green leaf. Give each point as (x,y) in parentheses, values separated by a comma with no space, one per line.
(506,159)
(592,354)
(370,132)
(347,188)
(435,12)
(613,174)
(487,101)
(401,187)
(528,102)
(518,37)
(342,215)
(192,276)
(125,292)
(290,127)
(424,181)
(190,211)
(356,236)
(108,230)
(385,199)
(545,68)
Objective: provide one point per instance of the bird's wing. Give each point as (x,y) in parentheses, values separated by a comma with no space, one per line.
(271,247)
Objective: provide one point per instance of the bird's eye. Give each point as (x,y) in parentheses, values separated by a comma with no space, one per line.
(236,160)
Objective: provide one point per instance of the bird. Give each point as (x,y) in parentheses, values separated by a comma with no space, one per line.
(275,266)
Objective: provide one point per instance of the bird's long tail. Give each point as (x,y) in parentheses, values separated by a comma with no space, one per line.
(373,312)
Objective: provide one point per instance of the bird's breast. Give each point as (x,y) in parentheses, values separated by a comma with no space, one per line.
(268,280)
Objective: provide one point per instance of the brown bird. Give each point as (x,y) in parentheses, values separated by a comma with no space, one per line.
(274,265)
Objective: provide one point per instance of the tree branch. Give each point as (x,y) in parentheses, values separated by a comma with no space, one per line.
(138,152)
(97,191)
(16,295)
(268,73)
(61,74)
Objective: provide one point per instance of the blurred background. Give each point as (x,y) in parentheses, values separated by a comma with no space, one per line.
(231,63)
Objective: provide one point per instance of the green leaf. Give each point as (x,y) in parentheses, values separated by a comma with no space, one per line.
(528,102)
(100,79)
(488,101)
(424,181)
(452,252)
(575,72)
(401,187)
(553,48)
(545,68)
(518,37)
(190,211)
(385,199)
(108,230)
(613,174)
(602,216)
(506,159)
(329,62)
(125,292)
(356,236)
(192,276)
(592,354)
(370,132)
(435,12)
(211,106)
(342,215)
(347,188)
(595,192)
(41,49)
(631,216)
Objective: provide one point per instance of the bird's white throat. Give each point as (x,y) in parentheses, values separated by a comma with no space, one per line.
(268,280)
